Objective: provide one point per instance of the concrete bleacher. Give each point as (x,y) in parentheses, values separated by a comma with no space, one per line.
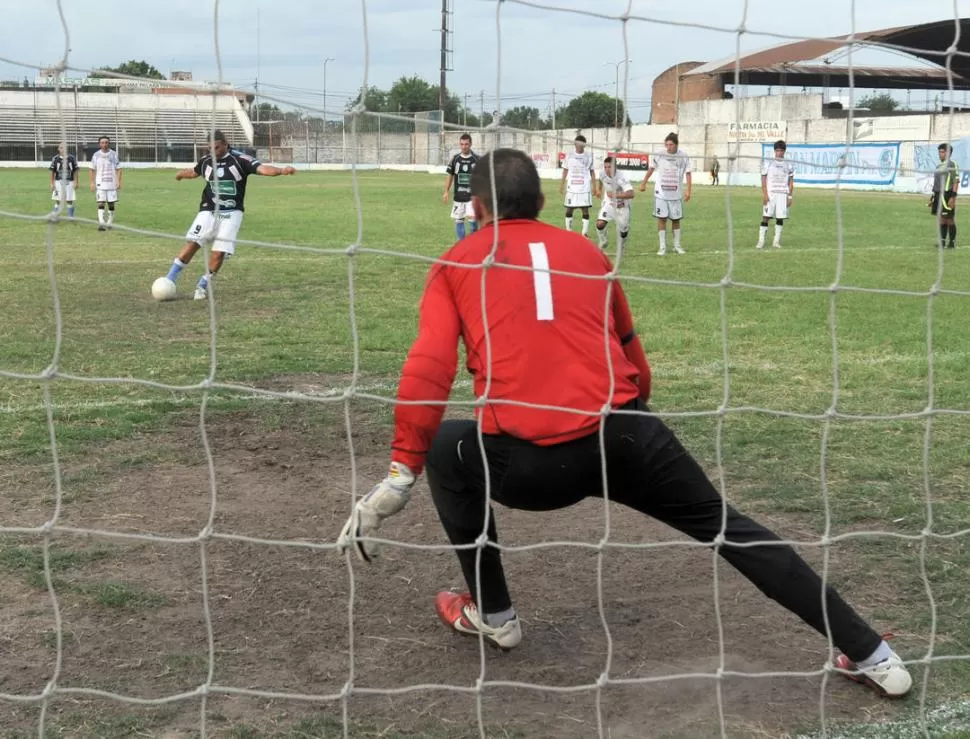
(143,127)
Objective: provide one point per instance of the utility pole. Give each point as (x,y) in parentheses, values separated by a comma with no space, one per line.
(465,112)
(482,119)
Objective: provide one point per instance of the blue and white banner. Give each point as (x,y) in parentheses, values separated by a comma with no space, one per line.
(926,158)
(827,164)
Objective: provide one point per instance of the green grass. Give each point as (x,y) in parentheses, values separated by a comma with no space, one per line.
(285,311)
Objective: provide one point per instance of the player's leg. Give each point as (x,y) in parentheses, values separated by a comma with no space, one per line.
(947,216)
(112,198)
(521,476)
(199,232)
(650,471)
(660,210)
(223,246)
(676,210)
(458,216)
(456,475)
(472,223)
(780,207)
(602,220)
(622,227)
(569,216)
(101,197)
(767,213)
(585,210)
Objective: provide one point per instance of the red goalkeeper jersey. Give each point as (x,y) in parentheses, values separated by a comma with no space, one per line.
(546,333)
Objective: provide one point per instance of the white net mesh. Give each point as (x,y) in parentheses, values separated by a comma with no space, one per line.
(620,681)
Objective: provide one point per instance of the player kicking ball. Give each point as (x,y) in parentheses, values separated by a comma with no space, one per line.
(777,186)
(673,170)
(220,216)
(617,193)
(552,286)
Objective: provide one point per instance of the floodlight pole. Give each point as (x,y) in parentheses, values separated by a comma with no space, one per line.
(616,94)
(325,61)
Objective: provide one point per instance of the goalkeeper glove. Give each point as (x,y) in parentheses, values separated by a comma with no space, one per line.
(385,499)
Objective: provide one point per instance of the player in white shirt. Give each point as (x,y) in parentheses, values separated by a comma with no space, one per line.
(105,181)
(777,186)
(578,183)
(673,169)
(617,193)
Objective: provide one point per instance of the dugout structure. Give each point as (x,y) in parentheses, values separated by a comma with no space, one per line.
(146,124)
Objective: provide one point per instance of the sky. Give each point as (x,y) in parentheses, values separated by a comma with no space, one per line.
(521,49)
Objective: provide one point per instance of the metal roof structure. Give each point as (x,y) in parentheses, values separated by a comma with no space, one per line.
(936,44)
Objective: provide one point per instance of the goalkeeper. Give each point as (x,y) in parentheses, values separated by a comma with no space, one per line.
(541,459)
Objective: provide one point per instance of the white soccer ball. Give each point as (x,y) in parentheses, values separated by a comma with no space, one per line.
(163,289)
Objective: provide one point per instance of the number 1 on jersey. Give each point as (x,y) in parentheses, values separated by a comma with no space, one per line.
(542,281)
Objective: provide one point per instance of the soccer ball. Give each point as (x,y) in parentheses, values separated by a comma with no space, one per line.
(163,289)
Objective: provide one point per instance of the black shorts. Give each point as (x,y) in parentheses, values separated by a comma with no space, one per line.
(938,208)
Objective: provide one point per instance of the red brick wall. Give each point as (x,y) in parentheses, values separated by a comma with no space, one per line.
(665,95)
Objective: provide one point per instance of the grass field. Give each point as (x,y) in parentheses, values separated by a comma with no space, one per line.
(284,323)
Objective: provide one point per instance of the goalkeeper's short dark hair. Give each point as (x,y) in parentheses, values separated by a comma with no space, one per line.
(780,144)
(517,186)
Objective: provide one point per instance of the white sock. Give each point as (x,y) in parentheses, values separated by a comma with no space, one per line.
(499,619)
(100,215)
(676,238)
(882,653)
(569,224)
(601,235)
(111,216)
(663,240)
(762,232)
(586,227)
(620,242)
(778,233)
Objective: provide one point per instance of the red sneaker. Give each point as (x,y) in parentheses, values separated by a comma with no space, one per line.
(459,612)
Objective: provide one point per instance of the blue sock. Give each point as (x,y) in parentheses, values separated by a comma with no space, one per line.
(70,211)
(203,281)
(174,270)
(460,229)
(473,226)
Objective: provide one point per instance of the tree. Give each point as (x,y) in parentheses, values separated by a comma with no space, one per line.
(523,116)
(134,68)
(881,103)
(591,110)
(412,95)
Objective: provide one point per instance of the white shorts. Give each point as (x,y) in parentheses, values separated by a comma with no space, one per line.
(579,199)
(777,206)
(461,211)
(221,230)
(67,188)
(620,213)
(672,209)
(106,196)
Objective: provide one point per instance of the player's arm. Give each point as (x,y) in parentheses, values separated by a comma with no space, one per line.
(187,174)
(764,187)
(448,180)
(626,193)
(595,183)
(690,185)
(92,172)
(623,321)
(118,172)
(53,170)
(646,179)
(565,174)
(791,186)
(427,375)
(271,170)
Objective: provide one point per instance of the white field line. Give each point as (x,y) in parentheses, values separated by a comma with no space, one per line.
(710,370)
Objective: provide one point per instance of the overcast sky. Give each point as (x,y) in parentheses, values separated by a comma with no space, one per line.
(541,49)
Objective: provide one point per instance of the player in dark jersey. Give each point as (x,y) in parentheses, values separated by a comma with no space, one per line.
(64,175)
(546,316)
(943,201)
(221,211)
(459,171)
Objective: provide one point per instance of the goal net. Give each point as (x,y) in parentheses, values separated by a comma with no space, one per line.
(176,473)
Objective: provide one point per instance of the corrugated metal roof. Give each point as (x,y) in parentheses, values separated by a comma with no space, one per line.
(928,42)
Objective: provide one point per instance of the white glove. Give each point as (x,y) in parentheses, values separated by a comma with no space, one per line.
(385,499)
